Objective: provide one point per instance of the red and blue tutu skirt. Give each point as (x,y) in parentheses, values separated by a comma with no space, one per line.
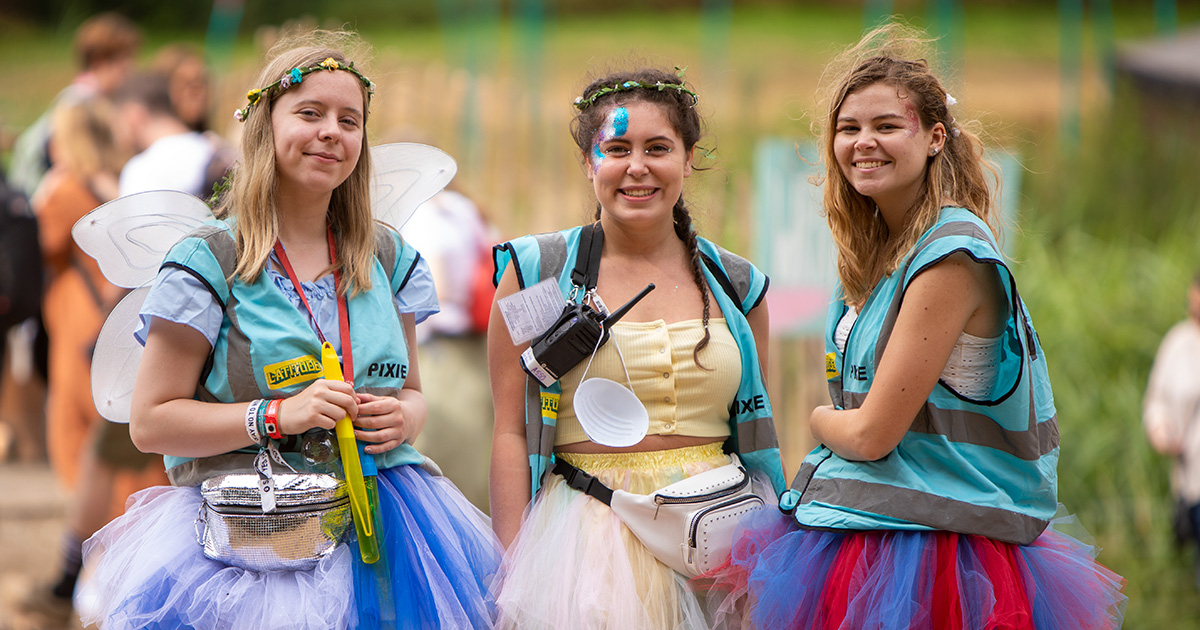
(781,575)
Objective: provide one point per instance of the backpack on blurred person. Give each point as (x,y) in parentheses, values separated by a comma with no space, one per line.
(20,259)
(483,290)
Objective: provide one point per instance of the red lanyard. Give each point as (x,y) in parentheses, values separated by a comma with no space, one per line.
(343,311)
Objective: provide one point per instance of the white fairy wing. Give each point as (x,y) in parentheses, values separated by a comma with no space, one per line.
(129,236)
(405,176)
(115,362)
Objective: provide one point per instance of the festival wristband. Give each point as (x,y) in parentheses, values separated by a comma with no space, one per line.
(261,421)
(271,420)
(252,422)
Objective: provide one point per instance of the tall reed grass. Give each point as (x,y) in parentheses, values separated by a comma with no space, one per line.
(1111,241)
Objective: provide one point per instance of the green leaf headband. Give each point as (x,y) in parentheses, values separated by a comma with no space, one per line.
(296,76)
(584,103)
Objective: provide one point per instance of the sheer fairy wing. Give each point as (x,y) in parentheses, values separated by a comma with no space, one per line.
(115,361)
(129,236)
(405,176)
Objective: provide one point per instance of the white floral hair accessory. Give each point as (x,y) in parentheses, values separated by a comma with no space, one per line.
(950,100)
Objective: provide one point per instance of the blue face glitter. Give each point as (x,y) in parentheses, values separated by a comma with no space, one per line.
(616,123)
(620,121)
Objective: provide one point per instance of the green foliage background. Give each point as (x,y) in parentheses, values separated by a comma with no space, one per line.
(1111,242)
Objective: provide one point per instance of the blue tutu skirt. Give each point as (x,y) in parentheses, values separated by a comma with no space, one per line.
(785,576)
(146,569)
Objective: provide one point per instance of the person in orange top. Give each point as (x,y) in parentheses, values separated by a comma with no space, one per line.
(94,459)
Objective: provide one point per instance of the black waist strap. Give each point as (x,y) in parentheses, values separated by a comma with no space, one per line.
(582,481)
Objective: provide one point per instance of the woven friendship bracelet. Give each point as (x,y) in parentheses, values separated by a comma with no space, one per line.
(252,428)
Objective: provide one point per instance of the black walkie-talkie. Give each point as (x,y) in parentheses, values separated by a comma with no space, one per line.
(579,330)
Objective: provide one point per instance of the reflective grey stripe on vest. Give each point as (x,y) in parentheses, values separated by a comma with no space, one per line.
(752,435)
(539,437)
(385,250)
(238,366)
(757,434)
(919,507)
(737,270)
(553,248)
(957,228)
(959,426)
(195,471)
(968,427)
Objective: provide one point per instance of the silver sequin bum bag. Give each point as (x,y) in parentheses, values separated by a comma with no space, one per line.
(311,516)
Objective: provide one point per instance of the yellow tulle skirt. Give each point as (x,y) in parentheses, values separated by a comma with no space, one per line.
(574,564)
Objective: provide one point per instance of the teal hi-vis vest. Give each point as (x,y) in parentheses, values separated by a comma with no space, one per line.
(266,347)
(737,287)
(986,467)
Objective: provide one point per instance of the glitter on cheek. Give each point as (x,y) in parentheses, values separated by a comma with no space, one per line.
(616,123)
(914,123)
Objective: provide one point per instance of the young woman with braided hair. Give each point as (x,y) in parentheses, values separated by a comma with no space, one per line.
(693,347)
(931,500)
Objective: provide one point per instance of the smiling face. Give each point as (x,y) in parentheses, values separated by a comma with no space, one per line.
(881,147)
(638,163)
(318,129)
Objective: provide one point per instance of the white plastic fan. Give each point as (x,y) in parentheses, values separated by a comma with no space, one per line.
(609,413)
(130,236)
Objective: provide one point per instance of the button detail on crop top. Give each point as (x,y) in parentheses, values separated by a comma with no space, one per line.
(680,397)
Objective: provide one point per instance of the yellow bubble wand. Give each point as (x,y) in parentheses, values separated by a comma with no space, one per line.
(360,503)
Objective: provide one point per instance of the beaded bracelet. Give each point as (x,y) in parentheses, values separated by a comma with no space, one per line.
(271,420)
(252,422)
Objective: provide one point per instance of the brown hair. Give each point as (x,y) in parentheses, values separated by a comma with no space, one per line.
(251,198)
(104,37)
(680,109)
(895,54)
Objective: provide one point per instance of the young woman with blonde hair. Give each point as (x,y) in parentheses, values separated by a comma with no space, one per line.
(237,319)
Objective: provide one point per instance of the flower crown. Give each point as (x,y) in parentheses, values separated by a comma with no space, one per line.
(295,76)
(582,103)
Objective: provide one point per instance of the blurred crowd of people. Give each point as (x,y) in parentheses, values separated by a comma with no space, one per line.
(122,127)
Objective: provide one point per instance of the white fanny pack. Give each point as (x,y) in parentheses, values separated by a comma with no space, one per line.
(688,525)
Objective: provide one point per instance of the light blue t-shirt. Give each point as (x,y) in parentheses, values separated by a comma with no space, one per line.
(178,296)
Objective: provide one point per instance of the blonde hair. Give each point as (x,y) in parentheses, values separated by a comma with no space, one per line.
(896,54)
(83,138)
(251,197)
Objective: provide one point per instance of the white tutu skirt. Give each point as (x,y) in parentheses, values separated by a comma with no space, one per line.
(146,569)
(574,564)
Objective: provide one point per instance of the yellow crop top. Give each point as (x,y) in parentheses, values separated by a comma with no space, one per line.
(681,398)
